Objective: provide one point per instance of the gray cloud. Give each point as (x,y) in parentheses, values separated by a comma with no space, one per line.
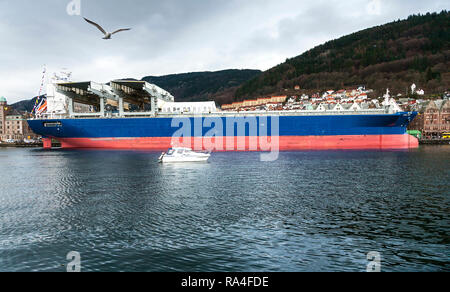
(173,36)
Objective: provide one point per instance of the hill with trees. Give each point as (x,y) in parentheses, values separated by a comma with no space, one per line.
(25,105)
(395,55)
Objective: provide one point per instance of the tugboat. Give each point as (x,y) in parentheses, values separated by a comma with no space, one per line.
(175,155)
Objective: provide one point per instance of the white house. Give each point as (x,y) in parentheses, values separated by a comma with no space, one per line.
(338,108)
(355,107)
(322,108)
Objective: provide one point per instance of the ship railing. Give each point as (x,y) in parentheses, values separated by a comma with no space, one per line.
(53,116)
(277,113)
(213,114)
(138,114)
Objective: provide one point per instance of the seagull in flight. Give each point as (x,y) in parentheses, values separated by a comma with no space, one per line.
(108,35)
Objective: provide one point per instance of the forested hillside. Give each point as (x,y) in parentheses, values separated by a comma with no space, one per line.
(393,55)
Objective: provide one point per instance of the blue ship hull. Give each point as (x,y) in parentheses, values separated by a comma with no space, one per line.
(294,132)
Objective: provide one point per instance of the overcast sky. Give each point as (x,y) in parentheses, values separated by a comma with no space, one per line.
(174,36)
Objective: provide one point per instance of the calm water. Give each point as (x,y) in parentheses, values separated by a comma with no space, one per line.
(308,211)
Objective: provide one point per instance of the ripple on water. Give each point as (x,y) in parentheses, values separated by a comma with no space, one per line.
(307,211)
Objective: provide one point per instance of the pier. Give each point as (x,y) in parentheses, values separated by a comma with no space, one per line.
(54,144)
(435,142)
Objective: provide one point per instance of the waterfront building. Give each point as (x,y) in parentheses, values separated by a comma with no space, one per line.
(13,125)
(255,103)
(250,102)
(279,99)
(445,117)
(264,100)
(226,107)
(3,109)
(433,119)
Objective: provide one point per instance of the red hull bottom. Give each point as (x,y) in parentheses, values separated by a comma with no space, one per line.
(284,143)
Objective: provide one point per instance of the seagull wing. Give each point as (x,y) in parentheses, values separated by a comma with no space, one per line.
(122,29)
(96,25)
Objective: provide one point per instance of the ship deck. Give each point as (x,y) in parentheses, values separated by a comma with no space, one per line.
(211,115)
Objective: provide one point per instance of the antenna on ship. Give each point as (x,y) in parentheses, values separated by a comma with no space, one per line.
(62,76)
(40,102)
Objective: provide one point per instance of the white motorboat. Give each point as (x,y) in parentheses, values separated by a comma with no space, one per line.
(183,155)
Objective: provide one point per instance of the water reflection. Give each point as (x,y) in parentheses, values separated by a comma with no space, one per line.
(307,211)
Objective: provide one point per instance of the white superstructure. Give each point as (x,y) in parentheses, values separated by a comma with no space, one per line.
(123,97)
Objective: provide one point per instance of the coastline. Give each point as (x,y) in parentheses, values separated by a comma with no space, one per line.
(4,145)
(434,142)
(23,145)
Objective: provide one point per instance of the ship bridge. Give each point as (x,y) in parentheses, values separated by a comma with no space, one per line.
(117,96)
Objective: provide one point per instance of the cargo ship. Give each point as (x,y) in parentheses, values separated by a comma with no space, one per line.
(136,115)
